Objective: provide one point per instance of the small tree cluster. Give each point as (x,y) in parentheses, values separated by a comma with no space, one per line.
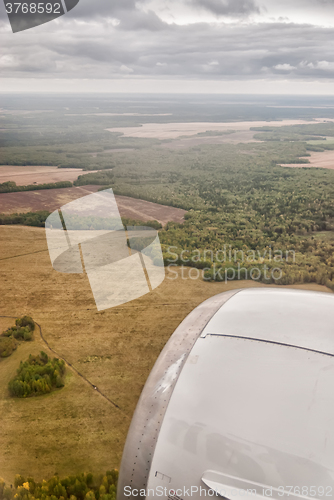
(79,487)
(98,178)
(7,346)
(36,219)
(38,375)
(23,329)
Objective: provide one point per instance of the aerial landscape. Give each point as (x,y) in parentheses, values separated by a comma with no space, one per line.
(205,186)
(209,122)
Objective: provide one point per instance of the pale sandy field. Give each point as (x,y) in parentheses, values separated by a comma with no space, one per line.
(26,175)
(323,159)
(174,130)
(237,137)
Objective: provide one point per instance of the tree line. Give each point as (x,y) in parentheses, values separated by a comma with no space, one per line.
(85,486)
(11,187)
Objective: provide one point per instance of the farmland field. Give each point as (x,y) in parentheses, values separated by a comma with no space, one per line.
(324,159)
(175,130)
(52,199)
(49,200)
(76,429)
(25,175)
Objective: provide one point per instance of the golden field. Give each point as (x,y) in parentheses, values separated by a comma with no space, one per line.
(76,429)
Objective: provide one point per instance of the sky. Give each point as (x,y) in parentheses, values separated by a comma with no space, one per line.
(184,46)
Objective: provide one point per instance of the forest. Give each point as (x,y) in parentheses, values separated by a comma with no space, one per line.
(240,196)
(236,195)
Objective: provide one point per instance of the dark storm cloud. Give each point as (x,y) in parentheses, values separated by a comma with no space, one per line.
(228,7)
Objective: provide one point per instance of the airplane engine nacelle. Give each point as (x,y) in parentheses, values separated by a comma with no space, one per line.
(240,403)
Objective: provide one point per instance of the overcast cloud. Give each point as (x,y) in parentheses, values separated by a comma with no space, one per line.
(238,8)
(209,40)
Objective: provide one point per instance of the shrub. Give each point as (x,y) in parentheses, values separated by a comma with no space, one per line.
(26,321)
(21,332)
(7,346)
(19,480)
(7,333)
(27,336)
